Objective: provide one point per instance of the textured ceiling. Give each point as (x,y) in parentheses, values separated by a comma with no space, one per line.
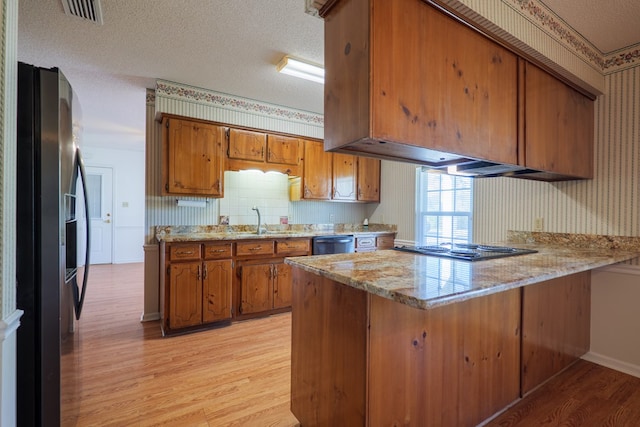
(230,46)
(608,24)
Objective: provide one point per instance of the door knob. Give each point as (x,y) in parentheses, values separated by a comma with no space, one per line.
(107,221)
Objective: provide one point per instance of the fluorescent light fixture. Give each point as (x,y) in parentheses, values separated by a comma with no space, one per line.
(299,68)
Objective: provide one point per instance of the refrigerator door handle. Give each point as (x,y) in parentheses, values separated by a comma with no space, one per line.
(79,299)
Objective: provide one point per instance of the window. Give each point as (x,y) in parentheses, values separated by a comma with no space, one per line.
(443,204)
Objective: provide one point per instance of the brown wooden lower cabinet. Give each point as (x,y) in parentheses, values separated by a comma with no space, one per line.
(556,320)
(359,359)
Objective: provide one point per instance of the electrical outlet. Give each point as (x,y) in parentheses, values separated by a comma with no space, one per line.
(332,218)
(538,224)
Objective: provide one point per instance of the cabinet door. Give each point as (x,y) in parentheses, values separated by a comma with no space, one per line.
(282,285)
(283,150)
(185,294)
(256,288)
(316,175)
(559,129)
(345,171)
(556,317)
(216,290)
(385,242)
(195,157)
(368,179)
(247,145)
(457,91)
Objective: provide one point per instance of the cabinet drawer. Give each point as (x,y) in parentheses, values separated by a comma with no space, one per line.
(189,251)
(365,242)
(218,250)
(263,247)
(293,246)
(384,242)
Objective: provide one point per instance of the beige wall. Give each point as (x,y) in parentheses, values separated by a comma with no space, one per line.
(614,319)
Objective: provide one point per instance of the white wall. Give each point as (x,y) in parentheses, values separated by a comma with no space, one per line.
(128,198)
(615,341)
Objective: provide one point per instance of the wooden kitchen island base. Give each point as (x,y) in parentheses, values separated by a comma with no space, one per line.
(362,360)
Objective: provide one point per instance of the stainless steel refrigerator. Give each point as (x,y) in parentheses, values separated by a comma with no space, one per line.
(51,280)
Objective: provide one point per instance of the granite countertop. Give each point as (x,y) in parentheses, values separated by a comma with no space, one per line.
(427,282)
(171,234)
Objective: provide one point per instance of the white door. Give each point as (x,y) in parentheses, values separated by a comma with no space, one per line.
(100,191)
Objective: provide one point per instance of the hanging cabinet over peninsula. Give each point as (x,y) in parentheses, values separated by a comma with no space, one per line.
(405,81)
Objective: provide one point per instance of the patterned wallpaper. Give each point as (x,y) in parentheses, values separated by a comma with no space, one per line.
(609,204)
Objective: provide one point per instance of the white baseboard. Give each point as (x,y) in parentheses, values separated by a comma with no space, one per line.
(148,317)
(609,362)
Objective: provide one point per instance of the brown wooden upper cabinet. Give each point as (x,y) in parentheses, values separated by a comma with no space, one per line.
(316,173)
(407,82)
(193,157)
(336,176)
(247,145)
(559,125)
(266,152)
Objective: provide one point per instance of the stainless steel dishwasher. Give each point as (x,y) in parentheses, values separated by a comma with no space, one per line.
(333,245)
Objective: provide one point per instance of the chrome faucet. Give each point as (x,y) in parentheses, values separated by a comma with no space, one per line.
(255,208)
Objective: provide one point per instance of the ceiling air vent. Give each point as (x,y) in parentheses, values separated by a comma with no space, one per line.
(86,9)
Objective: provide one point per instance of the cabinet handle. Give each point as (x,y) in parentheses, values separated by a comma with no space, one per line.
(255,248)
(334,192)
(306,190)
(262,152)
(275,271)
(184,252)
(204,274)
(198,272)
(271,271)
(268,155)
(216,251)
(359,192)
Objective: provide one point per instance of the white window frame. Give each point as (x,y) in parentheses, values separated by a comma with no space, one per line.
(424,237)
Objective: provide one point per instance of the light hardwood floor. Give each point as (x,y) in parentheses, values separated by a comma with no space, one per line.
(127,374)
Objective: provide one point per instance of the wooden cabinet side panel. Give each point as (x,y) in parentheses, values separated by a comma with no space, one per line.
(317,169)
(328,352)
(256,288)
(345,172)
(438,84)
(559,132)
(556,320)
(216,290)
(346,60)
(185,295)
(368,179)
(450,366)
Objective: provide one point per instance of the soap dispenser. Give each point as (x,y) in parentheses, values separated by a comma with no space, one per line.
(365,224)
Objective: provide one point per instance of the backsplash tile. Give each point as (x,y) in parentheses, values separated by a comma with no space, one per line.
(245,189)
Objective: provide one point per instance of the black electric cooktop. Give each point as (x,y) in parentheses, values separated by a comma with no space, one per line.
(466,251)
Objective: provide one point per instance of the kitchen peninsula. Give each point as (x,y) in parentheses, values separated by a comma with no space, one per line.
(391,338)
